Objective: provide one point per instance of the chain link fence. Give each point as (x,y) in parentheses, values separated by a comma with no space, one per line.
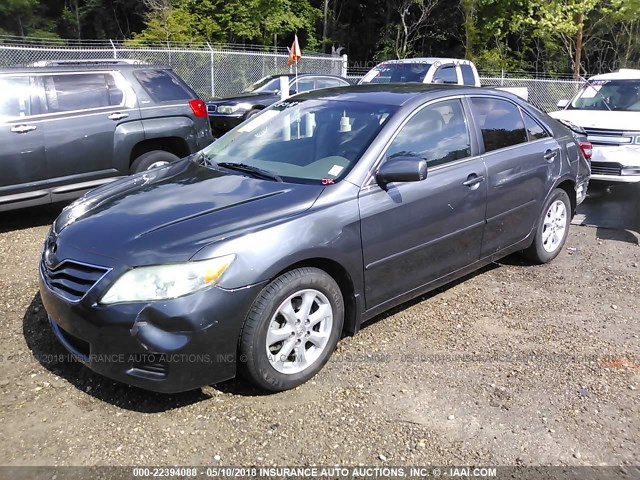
(209,70)
(543,93)
(213,70)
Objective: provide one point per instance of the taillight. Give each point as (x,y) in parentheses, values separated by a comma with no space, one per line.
(587,149)
(199,108)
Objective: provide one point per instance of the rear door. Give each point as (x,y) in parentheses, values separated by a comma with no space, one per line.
(522,164)
(22,154)
(85,117)
(417,232)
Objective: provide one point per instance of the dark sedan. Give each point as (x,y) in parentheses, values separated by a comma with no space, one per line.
(227,113)
(301,224)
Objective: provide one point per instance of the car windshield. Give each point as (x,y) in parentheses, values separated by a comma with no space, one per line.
(302,141)
(619,95)
(266,84)
(397,72)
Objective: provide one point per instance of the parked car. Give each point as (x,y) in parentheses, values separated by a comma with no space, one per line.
(228,112)
(449,71)
(307,220)
(67,129)
(608,108)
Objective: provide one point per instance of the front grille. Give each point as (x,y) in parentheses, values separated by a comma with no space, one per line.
(72,280)
(603,132)
(604,168)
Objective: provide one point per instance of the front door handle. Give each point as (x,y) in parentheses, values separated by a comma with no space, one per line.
(23,128)
(550,155)
(473,181)
(117,116)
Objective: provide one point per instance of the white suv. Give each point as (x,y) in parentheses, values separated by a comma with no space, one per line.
(608,108)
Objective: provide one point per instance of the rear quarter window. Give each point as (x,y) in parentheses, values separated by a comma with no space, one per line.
(468,78)
(163,86)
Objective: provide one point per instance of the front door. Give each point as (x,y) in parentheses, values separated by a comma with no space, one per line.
(415,233)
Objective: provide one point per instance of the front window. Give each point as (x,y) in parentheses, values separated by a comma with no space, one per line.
(618,95)
(397,73)
(303,141)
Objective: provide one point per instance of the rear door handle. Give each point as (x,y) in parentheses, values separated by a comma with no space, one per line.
(23,128)
(117,116)
(550,155)
(473,180)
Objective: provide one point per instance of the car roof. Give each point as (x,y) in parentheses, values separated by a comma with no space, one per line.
(293,75)
(81,68)
(461,61)
(622,74)
(397,93)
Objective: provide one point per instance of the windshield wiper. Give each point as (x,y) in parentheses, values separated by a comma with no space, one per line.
(258,172)
(203,159)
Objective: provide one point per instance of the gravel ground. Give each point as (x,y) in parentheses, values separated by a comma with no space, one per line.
(515,365)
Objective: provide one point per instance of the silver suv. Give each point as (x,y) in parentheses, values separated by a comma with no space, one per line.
(67,129)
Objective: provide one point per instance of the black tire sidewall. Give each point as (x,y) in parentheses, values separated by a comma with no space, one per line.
(253,356)
(144,161)
(537,251)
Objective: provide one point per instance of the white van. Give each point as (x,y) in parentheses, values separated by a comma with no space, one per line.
(608,108)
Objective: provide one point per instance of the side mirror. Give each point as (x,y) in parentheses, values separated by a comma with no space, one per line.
(562,104)
(402,169)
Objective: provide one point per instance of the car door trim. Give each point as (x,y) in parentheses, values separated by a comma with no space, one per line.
(20,197)
(507,212)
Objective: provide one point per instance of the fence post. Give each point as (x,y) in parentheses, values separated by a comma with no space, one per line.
(213,82)
(345,64)
(115,52)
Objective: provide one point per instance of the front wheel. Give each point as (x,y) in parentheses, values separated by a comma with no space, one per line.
(292,329)
(152,159)
(553,228)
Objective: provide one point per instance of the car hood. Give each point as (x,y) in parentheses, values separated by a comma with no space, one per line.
(167,214)
(602,119)
(246,97)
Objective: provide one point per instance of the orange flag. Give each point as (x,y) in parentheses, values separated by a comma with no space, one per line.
(294,52)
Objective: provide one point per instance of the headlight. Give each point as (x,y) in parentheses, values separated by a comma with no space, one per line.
(234,108)
(162,282)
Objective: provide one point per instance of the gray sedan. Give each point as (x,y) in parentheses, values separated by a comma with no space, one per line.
(301,224)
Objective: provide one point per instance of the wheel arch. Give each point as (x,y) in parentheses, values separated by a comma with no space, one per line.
(176,145)
(342,277)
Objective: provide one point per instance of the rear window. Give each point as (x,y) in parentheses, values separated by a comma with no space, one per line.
(163,86)
(84,91)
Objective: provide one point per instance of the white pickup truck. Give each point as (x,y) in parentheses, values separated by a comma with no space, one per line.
(608,108)
(452,71)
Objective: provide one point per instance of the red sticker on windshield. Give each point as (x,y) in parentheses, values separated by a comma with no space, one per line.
(328,181)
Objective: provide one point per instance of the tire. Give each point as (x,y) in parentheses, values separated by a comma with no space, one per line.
(307,346)
(553,228)
(152,159)
(251,113)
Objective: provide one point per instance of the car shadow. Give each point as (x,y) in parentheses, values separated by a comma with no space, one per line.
(626,236)
(29,217)
(47,351)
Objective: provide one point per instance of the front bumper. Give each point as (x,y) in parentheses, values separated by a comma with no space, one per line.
(224,123)
(616,163)
(164,346)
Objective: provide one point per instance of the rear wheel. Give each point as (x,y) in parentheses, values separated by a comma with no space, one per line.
(292,329)
(553,228)
(153,159)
